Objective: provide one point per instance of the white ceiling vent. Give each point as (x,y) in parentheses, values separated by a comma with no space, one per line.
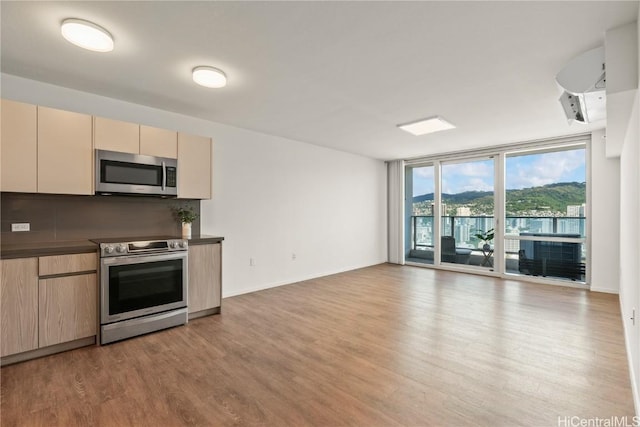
(584,82)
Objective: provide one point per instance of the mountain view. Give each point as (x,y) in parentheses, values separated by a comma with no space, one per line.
(546,200)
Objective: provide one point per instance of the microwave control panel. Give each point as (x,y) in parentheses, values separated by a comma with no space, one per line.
(171,176)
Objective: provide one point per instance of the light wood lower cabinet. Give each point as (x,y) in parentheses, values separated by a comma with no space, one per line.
(47,301)
(205,277)
(67,308)
(19,305)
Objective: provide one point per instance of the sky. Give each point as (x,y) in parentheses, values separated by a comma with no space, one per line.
(525,171)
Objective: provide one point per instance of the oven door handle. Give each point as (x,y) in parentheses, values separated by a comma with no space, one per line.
(142,258)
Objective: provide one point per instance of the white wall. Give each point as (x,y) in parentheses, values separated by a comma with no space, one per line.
(629,248)
(273,197)
(629,240)
(621,55)
(605,217)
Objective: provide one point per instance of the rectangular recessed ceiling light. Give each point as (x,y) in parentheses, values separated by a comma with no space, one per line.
(424,126)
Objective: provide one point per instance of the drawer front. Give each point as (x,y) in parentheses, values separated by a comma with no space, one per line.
(64,264)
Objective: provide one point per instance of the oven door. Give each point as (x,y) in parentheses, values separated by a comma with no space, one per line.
(138,285)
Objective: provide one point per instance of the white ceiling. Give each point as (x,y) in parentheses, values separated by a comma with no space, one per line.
(337,74)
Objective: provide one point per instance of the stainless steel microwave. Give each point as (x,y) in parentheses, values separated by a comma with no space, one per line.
(125,173)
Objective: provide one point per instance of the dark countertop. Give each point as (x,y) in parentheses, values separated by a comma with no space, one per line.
(36,249)
(203,239)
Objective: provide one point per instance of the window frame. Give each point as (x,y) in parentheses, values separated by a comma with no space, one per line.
(500,154)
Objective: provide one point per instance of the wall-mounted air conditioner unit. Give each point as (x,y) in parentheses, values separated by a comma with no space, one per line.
(584,81)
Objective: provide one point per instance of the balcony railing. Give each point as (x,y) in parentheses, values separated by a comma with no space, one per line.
(534,254)
(463,228)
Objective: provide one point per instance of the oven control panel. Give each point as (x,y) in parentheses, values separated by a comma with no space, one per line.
(142,247)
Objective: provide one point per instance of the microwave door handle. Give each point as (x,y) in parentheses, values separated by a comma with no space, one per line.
(164,175)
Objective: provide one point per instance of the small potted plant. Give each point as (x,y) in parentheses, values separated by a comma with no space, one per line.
(186,215)
(486,237)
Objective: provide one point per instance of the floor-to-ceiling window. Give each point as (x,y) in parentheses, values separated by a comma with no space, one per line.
(545,213)
(512,211)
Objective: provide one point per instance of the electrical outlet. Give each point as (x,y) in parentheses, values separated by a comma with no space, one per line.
(293,257)
(252,262)
(21,226)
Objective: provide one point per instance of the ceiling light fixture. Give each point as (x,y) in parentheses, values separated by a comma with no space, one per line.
(87,35)
(424,126)
(209,77)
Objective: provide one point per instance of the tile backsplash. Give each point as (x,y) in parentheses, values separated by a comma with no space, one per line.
(55,217)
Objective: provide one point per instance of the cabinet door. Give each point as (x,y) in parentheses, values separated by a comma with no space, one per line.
(19,305)
(19,147)
(65,153)
(158,142)
(68,308)
(204,277)
(115,135)
(194,166)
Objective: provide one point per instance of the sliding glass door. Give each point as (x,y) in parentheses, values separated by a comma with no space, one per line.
(458,230)
(467,213)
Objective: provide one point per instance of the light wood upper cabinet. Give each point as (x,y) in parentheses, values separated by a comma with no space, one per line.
(194,166)
(19,147)
(19,305)
(204,277)
(158,142)
(65,152)
(115,135)
(46,150)
(67,308)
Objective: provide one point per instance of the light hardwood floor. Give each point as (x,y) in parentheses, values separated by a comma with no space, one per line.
(380,346)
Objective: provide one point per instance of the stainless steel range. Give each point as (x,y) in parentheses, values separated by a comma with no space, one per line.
(143,286)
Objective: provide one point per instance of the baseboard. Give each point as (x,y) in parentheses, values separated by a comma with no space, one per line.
(632,373)
(203,313)
(275,284)
(605,290)
(47,351)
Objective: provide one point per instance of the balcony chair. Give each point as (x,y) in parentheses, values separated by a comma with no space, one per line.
(448,248)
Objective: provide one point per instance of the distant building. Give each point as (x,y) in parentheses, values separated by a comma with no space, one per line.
(574,226)
(576,211)
(463,211)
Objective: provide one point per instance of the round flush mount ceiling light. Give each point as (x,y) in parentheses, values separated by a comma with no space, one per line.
(209,77)
(87,35)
